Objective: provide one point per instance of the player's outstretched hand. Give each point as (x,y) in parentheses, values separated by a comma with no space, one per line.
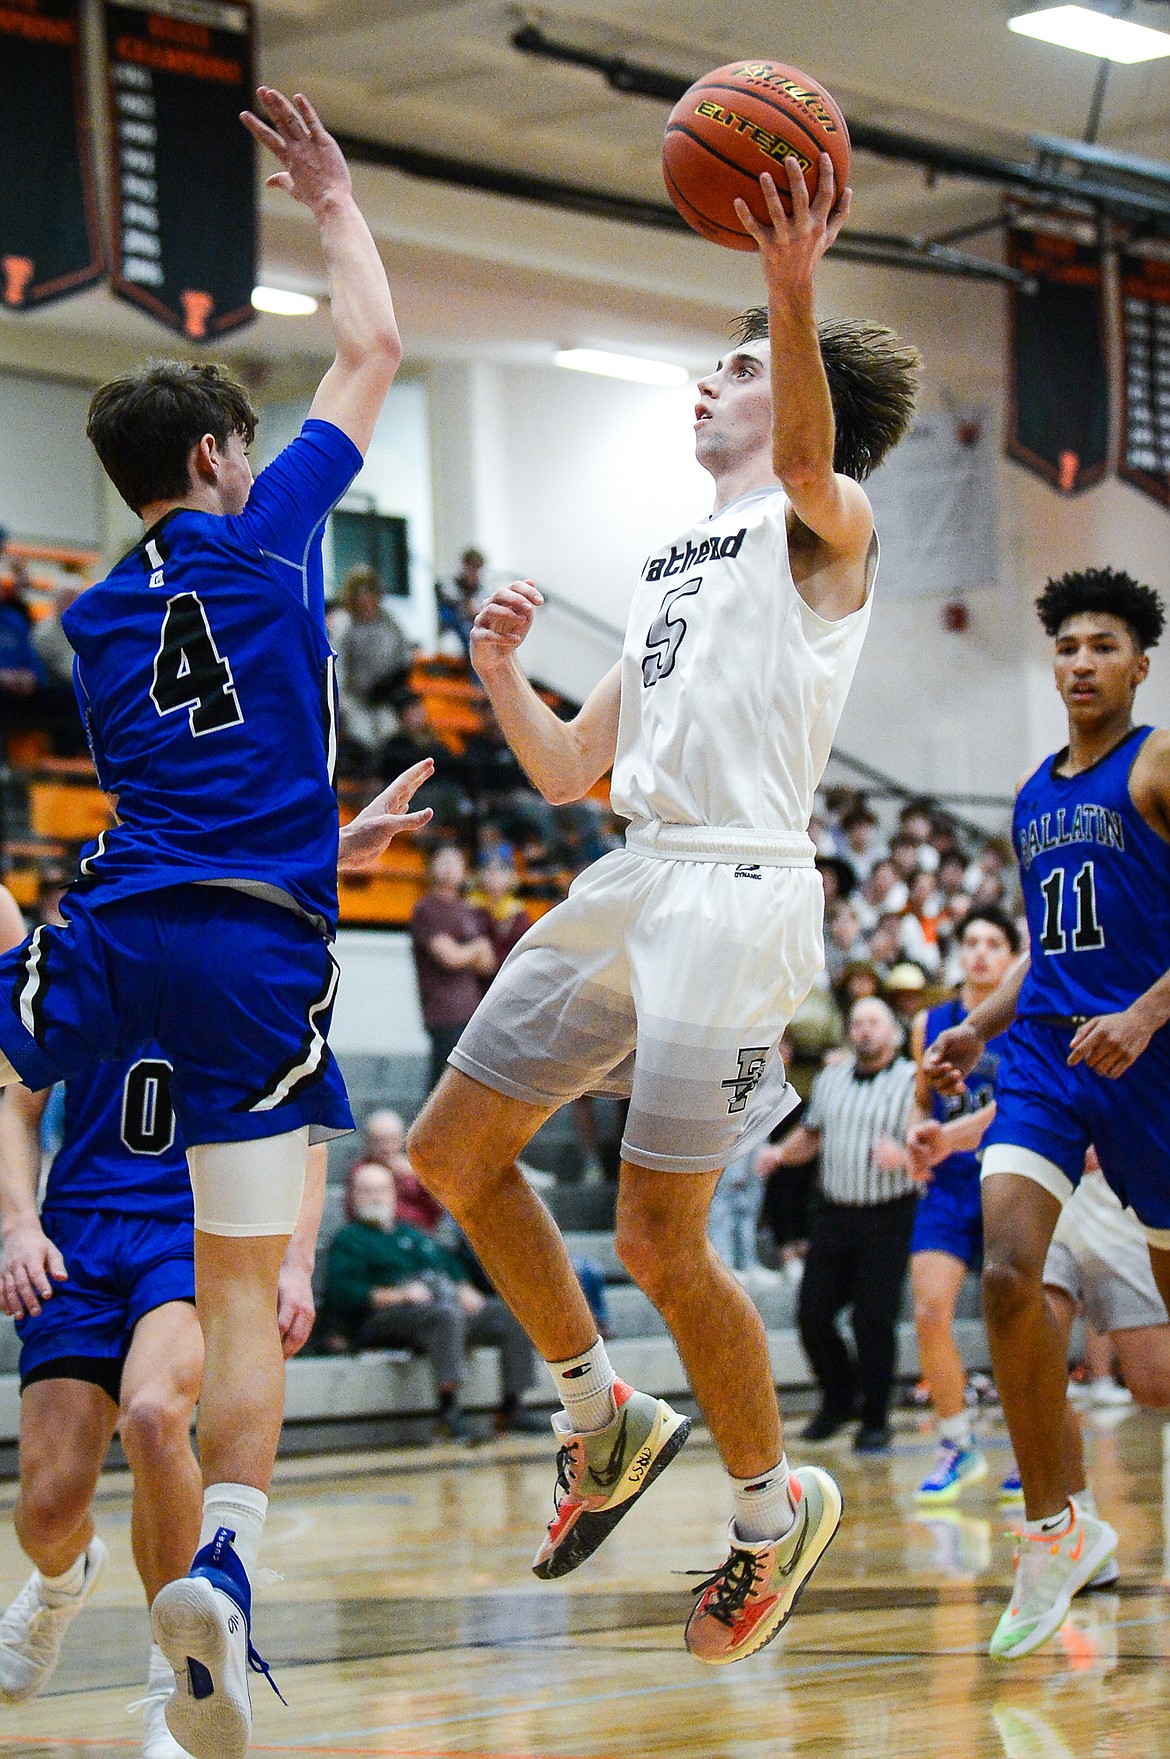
(296,1310)
(951,1058)
(791,245)
(314,170)
(1112,1043)
(29,1267)
(502,624)
(376,825)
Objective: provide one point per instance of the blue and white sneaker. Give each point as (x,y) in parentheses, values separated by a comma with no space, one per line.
(954,1466)
(1011,1491)
(202,1623)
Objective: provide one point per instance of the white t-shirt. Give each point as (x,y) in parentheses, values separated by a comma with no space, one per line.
(731,687)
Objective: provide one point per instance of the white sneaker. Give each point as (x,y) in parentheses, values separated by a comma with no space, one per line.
(33,1629)
(1106,1393)
(202,1624)
(157,1740)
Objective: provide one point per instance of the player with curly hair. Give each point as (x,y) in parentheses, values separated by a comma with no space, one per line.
(1087,1057)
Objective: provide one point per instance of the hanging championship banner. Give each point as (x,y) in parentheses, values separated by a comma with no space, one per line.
(50,236)
(180,72)
(1059,422)
(1145,331)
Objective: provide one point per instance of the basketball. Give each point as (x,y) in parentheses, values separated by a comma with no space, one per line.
(733,124)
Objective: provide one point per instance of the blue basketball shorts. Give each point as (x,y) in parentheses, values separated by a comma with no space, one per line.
(121,1267)
(1047,1115)
(237,992)
(949,1218)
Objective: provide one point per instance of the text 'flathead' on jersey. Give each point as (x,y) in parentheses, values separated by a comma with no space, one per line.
(676,561)
(1091,824)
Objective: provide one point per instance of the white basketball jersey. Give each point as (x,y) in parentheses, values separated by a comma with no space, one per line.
(731,687)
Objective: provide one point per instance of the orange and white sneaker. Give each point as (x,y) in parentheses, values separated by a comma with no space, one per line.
(743,1605)
(1049,1571)
(601,1475)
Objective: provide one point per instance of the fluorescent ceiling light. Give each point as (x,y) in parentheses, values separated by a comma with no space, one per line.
(282,303)
(622,366)
(1093,33)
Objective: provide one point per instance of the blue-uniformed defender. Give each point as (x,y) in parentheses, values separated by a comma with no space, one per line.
(205,916)
(1087,1059)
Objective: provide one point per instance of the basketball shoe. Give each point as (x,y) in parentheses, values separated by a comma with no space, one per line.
(954,1466)
(743,1605)
(1011,1491)
(1049,1571)
(601,1475)
(33,1629)
(203,1625)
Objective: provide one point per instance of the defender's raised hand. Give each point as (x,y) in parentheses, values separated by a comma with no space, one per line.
(502,624)
(314,168)
(791,245)
(376,825)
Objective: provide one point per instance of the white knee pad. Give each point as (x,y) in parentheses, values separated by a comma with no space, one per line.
(245,1189)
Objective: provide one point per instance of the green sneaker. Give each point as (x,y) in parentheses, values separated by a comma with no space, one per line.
(1048,1573)
(601,1475)
(751,1597)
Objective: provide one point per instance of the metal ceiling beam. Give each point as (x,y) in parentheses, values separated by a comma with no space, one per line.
(1093,188)
(919,255)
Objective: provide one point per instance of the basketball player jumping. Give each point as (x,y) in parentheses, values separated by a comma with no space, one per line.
(1087,1059)
(674,965)
(203,918)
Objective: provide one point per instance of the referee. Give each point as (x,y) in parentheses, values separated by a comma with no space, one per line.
(859,1242)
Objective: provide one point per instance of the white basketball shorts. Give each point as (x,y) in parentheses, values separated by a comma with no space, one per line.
(668,975)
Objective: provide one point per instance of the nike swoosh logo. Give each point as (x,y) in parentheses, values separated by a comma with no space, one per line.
(608,1475)
(787,1569)
(1075,1553)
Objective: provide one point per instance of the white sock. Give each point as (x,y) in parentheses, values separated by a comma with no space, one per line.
(1086,1502)
(159,1672)
(585,1388)
(763,1506)
(69,1583)
(240,1507)
(1050,1526)
(956,1429)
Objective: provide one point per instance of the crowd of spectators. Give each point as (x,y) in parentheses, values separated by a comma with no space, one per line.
(36,661)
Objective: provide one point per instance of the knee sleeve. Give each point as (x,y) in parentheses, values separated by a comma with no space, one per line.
(246,1189)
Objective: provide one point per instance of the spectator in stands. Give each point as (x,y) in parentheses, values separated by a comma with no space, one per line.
(883,891)
(384,1143)
(859,1245)
(844,942)
(30,699)
(919,932)
(859,840)
(885,943)
(950,876)
(837,878)
(858,980)
(454,958)
(49,637)
(496,892)
(458,602)
(390,1286)
(373,660)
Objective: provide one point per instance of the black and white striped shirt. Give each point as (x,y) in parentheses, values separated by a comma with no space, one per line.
(852,1111)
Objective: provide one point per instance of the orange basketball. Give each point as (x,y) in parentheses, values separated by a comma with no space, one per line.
(736,122)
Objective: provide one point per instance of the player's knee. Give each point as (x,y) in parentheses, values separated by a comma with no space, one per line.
(1150,1385)
(153,1422)
(932,1312)
(52,1505)
(658,1268)
(1009,1285)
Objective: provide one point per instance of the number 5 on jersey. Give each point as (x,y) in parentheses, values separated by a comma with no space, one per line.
(190,672)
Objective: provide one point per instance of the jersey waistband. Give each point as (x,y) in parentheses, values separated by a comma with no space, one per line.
(726,843)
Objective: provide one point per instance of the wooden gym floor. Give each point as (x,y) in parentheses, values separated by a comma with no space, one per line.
(406,1622)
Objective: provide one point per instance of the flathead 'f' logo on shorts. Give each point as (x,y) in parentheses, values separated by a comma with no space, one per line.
(751,1067)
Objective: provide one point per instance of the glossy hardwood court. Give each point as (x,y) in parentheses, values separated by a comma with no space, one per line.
(406,1622)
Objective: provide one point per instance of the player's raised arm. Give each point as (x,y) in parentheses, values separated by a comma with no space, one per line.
(562,759)
(956,1051)
(314,172)
(833,507)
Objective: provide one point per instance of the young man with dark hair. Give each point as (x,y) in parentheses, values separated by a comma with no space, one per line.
(676,962)
(203,919)
(1087,1057)
(947,1240)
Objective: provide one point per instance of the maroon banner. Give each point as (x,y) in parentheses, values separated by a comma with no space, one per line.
(180,72)
(50,235)
(1059,421)
(1145,418)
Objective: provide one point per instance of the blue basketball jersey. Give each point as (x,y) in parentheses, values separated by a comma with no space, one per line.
(205,679)
(121,1148)
(979,1090)
(1096,883)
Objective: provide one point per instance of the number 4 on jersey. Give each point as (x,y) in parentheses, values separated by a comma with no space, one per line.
(190,672)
